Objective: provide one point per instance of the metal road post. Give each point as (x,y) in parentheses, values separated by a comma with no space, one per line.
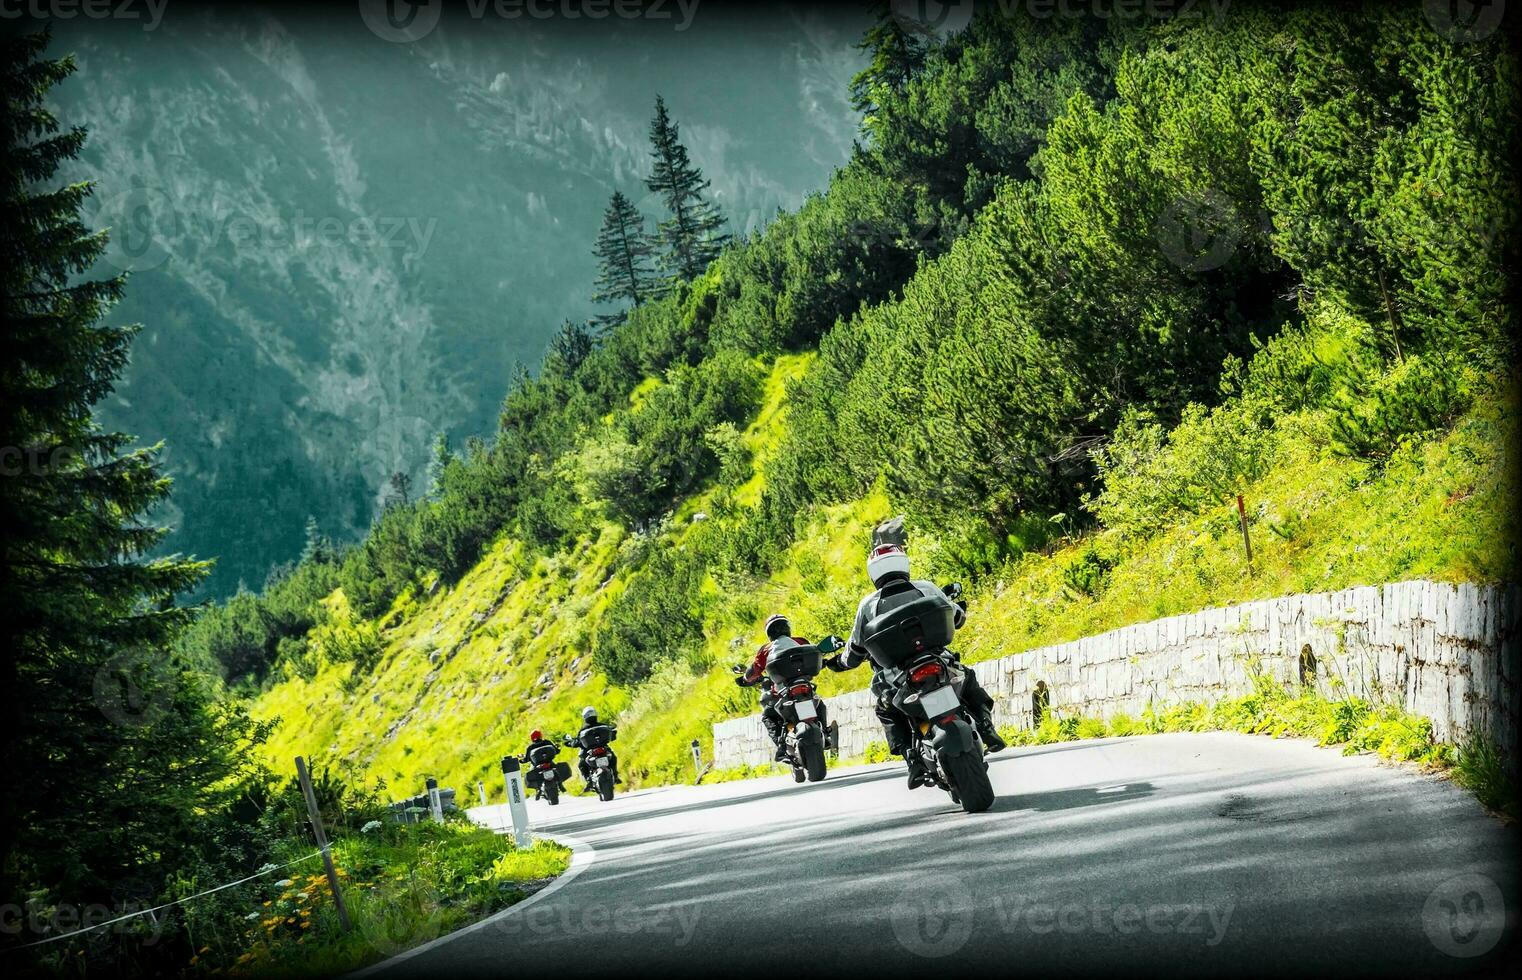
(434,803)
(512,778)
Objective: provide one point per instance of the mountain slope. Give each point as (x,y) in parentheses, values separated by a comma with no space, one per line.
(342,246)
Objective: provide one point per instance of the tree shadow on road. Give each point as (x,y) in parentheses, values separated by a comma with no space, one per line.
(1071,799)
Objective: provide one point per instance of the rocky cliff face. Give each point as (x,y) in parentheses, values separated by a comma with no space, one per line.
(340,244)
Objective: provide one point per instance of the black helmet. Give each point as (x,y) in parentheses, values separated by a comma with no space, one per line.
(777,627)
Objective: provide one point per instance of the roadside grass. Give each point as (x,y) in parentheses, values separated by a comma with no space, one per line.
(403,885)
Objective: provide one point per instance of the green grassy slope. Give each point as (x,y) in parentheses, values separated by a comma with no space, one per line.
(462,675)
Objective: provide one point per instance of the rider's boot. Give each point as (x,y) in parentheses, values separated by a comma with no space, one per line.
(989,733)
(917,775)
(781,754)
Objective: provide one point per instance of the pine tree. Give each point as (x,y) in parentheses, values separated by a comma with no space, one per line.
(97,707)
(623,252)
(895,57)
(692,236)
(317,547)
(398,489)
(569,348)
(441,458)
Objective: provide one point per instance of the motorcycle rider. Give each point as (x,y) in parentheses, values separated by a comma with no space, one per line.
(589,720)
(536,740)
(779,635)
(888,568)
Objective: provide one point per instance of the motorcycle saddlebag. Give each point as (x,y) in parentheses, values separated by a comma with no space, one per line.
(907,630)
(563,771)
(531,778)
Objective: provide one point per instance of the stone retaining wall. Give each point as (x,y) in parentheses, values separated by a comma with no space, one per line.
(1448,653)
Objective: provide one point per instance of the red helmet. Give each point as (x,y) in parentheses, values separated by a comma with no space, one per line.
(535,735)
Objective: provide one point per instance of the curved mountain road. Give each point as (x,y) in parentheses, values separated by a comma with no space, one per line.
(1200,854)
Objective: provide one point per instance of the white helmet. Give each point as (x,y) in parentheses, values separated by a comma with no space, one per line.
(885,561)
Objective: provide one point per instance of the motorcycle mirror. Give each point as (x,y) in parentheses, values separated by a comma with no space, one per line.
(953,590)
(829,644)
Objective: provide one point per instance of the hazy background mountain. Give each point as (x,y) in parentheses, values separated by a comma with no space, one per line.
(341,245)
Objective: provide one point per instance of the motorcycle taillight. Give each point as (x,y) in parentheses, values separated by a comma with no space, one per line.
(801,691)
(600,750)
(924,672)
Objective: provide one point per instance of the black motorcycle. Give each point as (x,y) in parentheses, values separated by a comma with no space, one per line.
(907,641)
(544,775)
(792,670)
(599,758)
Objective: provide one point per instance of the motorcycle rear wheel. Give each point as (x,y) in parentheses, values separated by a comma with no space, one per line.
(551,792)
(969,780)
(813,761)
(604,785)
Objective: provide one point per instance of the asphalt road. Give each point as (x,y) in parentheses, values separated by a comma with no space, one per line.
(1197,854)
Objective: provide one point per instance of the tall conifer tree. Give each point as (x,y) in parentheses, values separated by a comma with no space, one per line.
(693,234)
(111,742)
(624,251)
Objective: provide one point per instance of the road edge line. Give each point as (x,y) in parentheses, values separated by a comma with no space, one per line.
(583,855)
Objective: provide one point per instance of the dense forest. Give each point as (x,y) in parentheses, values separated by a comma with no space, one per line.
(1074,278)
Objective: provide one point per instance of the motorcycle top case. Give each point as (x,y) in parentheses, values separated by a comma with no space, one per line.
(539,756)
(794,661)
(596,737)
(897,635)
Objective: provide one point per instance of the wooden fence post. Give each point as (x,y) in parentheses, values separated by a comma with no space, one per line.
(322,841)
(1242,519)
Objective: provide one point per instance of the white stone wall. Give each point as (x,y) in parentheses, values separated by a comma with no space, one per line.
(1448,653)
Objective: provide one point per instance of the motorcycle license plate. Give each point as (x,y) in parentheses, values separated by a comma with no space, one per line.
(941,701)
(603,762)
(805,711)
